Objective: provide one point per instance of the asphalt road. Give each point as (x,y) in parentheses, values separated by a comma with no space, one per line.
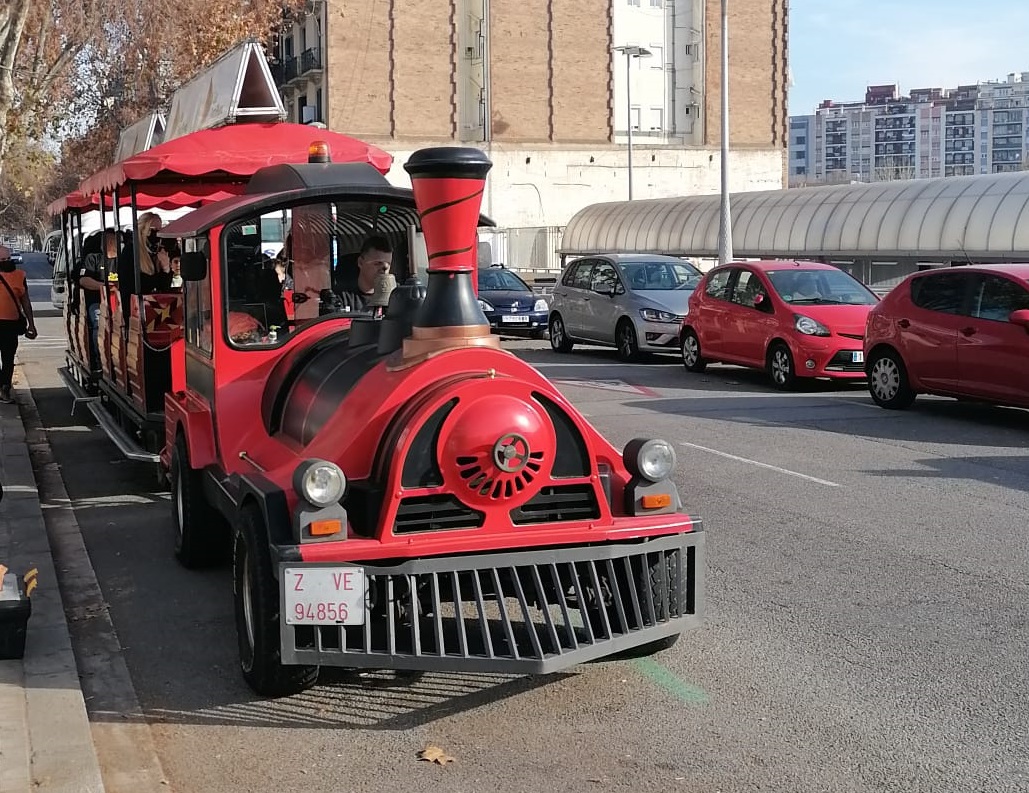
(866,631)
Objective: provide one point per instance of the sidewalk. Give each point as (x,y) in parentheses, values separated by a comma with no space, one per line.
(45,738)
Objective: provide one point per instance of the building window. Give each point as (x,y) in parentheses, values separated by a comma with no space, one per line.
(634,118)
(657,57)
(656,3)
(657,119)
(633,3)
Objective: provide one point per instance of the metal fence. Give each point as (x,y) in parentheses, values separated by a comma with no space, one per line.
(530,251)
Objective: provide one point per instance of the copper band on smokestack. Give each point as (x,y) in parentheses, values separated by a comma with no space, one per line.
(448,184)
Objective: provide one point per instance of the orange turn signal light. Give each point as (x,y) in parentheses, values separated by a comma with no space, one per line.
(318,151)
(657,501)
(322,528)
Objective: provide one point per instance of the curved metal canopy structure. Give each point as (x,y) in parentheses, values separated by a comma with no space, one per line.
(978,218)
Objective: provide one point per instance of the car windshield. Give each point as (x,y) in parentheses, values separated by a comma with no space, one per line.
(820,287)
(660,276)
(316,271)
(496,279)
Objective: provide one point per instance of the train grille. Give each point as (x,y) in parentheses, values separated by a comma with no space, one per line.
(528,612)
(435,513)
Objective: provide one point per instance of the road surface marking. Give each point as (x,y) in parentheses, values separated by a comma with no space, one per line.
(786,471)
(671,682)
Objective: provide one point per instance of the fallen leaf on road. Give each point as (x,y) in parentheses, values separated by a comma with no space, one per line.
(434,754)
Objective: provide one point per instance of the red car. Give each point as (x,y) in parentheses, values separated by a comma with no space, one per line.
(961,332)
(793,319)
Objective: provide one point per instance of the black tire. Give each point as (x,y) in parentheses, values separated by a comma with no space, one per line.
(664,607)
(559,339)
(782,370)
(689,346)
(256,594)
(201,534)
(626,341)
(888,382)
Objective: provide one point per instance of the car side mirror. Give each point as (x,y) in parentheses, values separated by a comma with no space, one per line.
(1020,317)
(193,266)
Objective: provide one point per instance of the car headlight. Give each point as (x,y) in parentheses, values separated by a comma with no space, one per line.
(541,305)
(809,327)
(320,482)
(653,315)
(651,459)
(484,305)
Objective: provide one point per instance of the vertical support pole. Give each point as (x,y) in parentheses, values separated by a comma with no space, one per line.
(725,253)
(628,111)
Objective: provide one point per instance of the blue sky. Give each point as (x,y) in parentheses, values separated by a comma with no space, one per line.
(837,47)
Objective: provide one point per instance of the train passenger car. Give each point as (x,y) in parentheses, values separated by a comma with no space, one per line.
(393,488)
(124,379)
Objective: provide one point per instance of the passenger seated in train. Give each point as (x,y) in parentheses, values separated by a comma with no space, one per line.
(332,256)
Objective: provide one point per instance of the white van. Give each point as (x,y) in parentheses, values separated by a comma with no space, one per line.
(59,284)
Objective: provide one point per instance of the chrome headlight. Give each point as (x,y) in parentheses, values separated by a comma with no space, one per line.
(809,327)
(319,482)
(541,305)
(653,315)
(484,305)
(650,459)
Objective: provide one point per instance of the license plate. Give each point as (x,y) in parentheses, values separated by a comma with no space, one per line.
(857,357)
(324,595)
(521,320)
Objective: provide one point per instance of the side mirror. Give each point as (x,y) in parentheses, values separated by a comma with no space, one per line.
(1020,317)
(193,266)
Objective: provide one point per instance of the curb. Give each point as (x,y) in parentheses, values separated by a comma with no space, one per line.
(124,746)
(55,752)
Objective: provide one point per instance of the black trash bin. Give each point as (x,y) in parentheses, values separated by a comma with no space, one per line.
(15,609)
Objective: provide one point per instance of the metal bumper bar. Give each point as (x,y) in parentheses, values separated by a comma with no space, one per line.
(522,612)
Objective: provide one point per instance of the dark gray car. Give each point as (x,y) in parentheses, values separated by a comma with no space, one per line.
(634,302)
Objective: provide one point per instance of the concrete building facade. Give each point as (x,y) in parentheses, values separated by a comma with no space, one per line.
(964,131)
(540,86)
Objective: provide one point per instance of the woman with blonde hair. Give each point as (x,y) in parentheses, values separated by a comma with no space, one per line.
(155,273)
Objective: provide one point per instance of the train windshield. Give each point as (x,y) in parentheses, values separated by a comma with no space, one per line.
(288,268)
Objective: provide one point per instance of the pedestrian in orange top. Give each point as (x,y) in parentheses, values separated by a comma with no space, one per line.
(15,318)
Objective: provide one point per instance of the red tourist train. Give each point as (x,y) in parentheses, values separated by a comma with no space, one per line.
(394,489)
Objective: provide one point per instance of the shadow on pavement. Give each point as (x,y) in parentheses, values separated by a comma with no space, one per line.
(930,420)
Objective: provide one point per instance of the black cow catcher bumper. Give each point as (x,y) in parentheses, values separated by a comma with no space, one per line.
(524,612)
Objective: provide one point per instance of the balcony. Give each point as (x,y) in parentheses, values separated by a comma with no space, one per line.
(311,61)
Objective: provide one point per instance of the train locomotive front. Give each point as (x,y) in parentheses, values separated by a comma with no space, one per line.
(418,498)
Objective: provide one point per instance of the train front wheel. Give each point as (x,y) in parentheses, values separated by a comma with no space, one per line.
(256,593)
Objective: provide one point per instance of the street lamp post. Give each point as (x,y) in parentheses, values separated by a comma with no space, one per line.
(630,52)
(725,253)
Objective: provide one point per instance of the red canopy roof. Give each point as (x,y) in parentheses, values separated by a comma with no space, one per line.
(74,200)
(236,150)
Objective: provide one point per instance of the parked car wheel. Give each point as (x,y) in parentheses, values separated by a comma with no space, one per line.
(559,340)
(690,347)
(888,381)
(628,344)
(780,367)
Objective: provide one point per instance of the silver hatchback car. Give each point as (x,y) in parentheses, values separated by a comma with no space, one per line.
(634,302)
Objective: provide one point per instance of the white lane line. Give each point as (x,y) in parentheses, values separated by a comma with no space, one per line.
(786,471)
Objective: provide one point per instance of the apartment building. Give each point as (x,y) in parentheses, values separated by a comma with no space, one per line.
(971,129)
(541,86)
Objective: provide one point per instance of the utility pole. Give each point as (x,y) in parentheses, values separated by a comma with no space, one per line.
(725,253)
(630,53)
